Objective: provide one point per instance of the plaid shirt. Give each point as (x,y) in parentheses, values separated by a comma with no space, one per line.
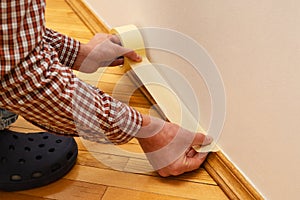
(37,82)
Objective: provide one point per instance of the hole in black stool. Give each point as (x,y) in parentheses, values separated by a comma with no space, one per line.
(58,141)
(41,145)
(39,157)
(15,137)
(27,149)
(69,155)
(36,174)
(11,147)
(3,160)
(16,177)
(51,150)
(30,139)
(55,167)
(22,161)
(45,137)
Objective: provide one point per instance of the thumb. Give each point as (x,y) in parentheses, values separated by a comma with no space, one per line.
(128,53)
(132,55)
(201,139)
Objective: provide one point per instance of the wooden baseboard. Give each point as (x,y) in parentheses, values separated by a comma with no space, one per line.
(228,177)
(88,17)
(231,181)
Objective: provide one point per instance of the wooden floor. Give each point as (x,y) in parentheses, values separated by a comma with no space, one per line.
(90,179)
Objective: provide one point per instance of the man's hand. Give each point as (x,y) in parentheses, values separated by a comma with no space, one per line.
(102,50)
(168,147)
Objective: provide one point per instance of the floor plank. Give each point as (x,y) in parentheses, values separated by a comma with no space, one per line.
(95,159)
(60,17)
(68,189)
(158,185)
(16,196)
(124,194)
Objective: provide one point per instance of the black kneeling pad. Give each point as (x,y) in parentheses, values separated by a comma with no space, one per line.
(35,159)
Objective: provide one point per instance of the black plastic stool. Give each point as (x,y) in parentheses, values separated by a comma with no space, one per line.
(35,159)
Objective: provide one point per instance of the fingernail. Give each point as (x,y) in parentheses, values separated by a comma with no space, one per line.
(139,57)
(209,139)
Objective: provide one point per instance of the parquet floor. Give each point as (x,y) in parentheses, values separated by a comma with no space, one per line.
(91,179)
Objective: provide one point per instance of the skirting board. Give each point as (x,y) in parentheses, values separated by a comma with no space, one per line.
(230,180)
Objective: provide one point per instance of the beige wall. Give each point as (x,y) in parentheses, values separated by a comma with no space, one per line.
(256,46)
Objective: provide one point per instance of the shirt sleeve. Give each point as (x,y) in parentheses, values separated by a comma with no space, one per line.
(66,47)
(37,82)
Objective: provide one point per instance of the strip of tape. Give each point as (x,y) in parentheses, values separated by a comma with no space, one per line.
(169,103)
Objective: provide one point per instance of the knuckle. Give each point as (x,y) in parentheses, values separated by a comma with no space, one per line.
(172,168)
(177,172)
(162,173)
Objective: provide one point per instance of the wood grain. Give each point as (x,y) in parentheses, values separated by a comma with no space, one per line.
(124,194)
(88,17)
(15,196)
(68,189)
(130,181)
(229,178)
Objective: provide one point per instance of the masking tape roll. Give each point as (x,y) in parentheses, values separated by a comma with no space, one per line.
(169,103)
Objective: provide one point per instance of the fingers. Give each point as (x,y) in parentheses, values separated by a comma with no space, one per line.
(195,162)
(118,61)
(132,55)
(185,164)
(191,153)
(115,39)
(201,139)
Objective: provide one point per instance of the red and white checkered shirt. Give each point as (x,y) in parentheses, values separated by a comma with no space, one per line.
(37,82)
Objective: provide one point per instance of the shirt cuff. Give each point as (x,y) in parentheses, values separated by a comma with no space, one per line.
(127,123)
(69,51)
(66,47)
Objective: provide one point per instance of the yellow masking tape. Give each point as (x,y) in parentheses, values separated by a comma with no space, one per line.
(170,104)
